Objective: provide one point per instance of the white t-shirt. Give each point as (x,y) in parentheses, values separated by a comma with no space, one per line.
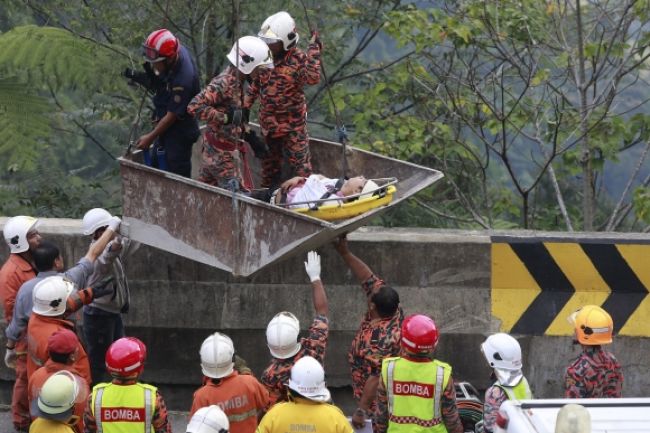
(313,189)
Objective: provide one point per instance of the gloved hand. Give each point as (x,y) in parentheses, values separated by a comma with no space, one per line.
(315,39)
(260,148)
(104,287)
(114,223)
(234,116)
(10,358)
(312,266)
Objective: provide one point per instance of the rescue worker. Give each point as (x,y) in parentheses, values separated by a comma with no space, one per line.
(308,408)
(210,419)
(48,316)
(503,354)
(125,404)
(62,350)
(283,107)
(175,81)
(102,319)
(54,407)
(49,262)
(240,396)
(416,392)
(595,373)
(220,104)
(22,237)
(282,336)
(378,336)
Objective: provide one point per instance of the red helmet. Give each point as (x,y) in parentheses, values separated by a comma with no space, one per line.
(160,45)
(126,356)
(419,334)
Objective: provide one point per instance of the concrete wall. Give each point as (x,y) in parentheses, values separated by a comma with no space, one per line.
(446,274)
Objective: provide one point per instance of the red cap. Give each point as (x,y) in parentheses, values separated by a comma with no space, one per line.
(62,342)
(419,334)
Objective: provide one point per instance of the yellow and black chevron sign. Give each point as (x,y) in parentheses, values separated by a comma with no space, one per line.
(536,285)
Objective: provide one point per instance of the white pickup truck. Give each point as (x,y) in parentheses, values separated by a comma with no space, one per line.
(616,415)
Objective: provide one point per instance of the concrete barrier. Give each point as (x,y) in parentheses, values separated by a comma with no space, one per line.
(176,303)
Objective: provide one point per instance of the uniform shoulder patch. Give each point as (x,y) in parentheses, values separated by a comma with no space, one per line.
(177,98)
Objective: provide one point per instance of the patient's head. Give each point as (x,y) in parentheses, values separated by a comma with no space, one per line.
(358,185)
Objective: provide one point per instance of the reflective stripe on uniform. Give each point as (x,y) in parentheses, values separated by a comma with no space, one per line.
(148,413)
(440,375)
(389,384)
(98,409)
(242,416)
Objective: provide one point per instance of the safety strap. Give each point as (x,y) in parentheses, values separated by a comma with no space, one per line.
(337,187)
(98,410)
(148,413)
(440,377)
(389,384)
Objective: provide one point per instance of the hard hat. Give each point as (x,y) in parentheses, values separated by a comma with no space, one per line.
(50,295)
(160,45)
(419,334)
(126,357)
(503,353)
(217,353)
(573,418)
(253,52)
(368,189)
(308,379)
(57,397)
(15,232)
(593,325)
(210,419)
(282,335)
(279,27)
(94,219)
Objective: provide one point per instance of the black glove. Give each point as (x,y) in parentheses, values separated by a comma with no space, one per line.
(104,287)
(260,149)
(146,78)
(235,116)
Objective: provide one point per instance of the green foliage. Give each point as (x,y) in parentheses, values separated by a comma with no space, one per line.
(642,203)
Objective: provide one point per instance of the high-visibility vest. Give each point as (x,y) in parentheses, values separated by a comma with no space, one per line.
(414,391)
(520,391)
(123,408)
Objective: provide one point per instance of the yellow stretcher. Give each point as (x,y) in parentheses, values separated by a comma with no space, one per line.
(344,210)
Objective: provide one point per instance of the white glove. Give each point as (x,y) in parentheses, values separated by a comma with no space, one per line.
(114,223)
(10,358)
(312,266)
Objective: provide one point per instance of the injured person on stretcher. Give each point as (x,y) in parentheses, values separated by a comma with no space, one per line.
(299,191)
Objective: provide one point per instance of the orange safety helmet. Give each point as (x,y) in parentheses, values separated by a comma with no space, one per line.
(126,357)
(593,325)
(160,45)
(419,334)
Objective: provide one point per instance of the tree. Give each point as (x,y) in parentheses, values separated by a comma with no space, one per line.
(536,94)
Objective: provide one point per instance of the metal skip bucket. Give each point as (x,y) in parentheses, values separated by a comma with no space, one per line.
(242,235)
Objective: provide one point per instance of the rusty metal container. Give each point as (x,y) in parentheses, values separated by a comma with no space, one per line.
(239,234)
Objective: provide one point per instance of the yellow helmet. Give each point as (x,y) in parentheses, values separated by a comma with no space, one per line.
(593,325)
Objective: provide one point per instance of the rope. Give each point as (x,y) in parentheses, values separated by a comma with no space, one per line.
(136,123)
(340,128)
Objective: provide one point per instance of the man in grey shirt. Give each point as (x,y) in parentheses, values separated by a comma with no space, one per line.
(49,262)
(102,319)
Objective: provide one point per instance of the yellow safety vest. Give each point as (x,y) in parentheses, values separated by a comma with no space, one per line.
(520,391)
(414,391)
(123,408)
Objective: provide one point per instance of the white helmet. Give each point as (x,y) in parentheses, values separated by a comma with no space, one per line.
(210,419)
(573,418)
(282,335)
(94,219)
(217,353)
(50,296)
(15,232)
(368,189)
(279,27)
(253,52)
(308,379)
(57,397)
(503,353)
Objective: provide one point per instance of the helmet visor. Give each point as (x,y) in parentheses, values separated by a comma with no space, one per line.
(151,55)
